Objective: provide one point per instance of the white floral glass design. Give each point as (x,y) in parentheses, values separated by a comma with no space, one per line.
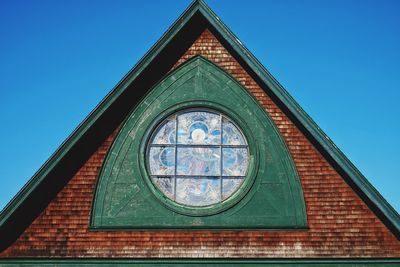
(198,157)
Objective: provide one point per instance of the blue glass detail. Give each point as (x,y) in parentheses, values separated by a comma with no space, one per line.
(203,162)
(167,157)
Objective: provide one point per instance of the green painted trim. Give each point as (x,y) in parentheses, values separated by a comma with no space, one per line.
(305,120)
(201,262)
(391,216)
(270,197)
(219,207)
(95,114)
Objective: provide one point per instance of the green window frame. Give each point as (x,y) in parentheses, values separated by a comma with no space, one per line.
(218,136)
(216,208)
(269,198)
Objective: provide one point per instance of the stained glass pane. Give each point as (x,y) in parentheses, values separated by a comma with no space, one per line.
(166,185)
(162,160)
(198,191)
(231,134)
(234,161)
(166,133)
(200,128)
(229,186)
(204,161)
(198,174)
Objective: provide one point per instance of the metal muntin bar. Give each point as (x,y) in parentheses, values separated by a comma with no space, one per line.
(198,176)
(221,156)
(176,153)
(195,145)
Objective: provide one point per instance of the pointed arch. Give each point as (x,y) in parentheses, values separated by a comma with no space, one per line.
(271,196)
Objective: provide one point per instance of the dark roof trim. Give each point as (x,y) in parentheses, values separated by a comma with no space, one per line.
(307,122)
(390,216)
(96,113)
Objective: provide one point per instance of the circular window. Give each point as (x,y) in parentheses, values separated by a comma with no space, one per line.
(197,157)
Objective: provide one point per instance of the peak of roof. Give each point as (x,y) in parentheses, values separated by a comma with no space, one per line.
(56,171)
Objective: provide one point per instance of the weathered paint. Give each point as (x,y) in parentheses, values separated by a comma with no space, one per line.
(340,224)
(270,198)
(69,149)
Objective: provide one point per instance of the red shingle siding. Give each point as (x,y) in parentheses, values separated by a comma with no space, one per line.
(341,225)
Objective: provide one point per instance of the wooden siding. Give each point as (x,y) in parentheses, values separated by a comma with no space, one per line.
(340,223)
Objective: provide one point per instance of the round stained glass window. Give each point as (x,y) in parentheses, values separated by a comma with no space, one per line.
(198,157)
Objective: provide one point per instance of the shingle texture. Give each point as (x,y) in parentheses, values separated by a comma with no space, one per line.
(340,223)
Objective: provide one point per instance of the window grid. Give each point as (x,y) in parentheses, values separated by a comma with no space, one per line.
(177,145)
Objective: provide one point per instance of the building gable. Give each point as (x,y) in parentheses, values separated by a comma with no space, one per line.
(270,198)
(341,224)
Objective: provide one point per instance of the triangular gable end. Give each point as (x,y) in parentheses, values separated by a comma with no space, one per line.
(20,212)
(271,196)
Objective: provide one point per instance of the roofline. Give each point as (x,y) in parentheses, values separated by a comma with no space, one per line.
(309,124)
(314,131)
(92,117)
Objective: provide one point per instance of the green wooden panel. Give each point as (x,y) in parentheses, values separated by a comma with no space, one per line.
(270,198)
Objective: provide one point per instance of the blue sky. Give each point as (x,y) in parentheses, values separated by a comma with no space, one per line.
(338,58)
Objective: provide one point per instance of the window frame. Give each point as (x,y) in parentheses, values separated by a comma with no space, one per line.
(176,145)
(237,196)
(126,199)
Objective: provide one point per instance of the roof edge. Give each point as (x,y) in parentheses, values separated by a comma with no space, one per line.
(265,76)
(94,115)
(309,124)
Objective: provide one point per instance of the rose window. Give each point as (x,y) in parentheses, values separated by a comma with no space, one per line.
(197,157)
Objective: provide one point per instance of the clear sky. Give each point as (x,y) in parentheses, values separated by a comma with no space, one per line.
(340,59)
